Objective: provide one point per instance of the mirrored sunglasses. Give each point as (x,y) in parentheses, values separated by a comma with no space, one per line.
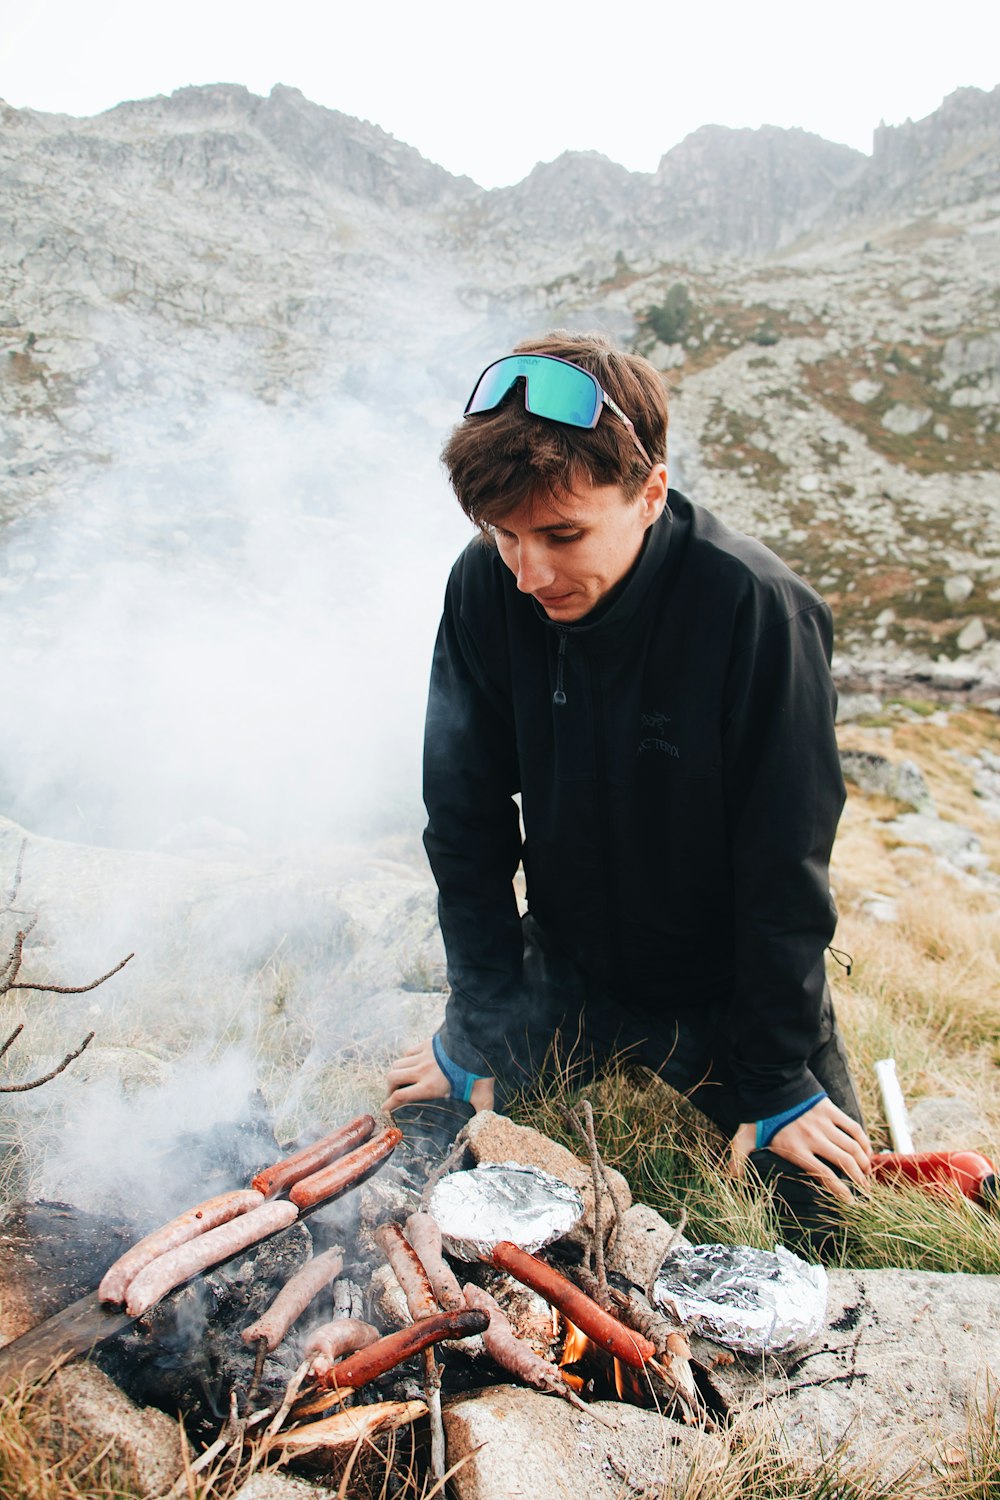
(554,389)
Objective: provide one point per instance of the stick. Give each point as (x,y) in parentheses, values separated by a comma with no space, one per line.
(291,1391)
(449,1164)
(36,1083)
(73,989)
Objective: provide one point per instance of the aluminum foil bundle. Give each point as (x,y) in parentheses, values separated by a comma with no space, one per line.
(756,1301)
(503,1201)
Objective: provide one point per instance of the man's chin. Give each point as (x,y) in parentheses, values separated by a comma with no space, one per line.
(566,607)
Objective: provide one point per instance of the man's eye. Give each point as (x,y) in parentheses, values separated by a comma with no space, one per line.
(560,538)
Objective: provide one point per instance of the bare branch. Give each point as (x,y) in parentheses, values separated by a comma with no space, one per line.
(22,1088)
(12,1038)
(8,973)
(73,989)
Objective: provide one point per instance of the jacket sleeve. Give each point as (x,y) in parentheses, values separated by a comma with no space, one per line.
(473,840)
(785,793)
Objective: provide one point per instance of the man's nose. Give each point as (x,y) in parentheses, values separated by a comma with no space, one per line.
(533,572)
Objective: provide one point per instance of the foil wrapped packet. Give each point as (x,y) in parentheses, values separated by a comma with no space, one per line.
(502,1201)
(756,1301)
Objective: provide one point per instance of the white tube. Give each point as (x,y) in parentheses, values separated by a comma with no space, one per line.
(894,1106)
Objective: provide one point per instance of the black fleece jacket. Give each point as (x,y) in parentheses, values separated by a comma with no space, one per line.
(679,805)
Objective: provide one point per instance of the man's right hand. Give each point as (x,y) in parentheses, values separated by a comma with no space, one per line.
(416,1076)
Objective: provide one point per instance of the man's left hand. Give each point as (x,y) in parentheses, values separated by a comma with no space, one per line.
(821,1139)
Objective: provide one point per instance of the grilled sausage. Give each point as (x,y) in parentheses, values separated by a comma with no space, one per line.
(344,1173)
(368,1364)
(177,1266)
(294,1297)
(631,1348)
(193,1222)
(424,1235)
(273,1180)
(331,1341)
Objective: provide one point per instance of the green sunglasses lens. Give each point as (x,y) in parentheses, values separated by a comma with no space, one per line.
(554,390)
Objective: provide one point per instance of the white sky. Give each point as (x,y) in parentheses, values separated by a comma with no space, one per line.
(490,89)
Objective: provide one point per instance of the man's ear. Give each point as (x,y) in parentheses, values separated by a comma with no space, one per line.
(653,495)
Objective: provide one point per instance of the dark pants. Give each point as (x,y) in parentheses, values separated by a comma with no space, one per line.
(573,1025)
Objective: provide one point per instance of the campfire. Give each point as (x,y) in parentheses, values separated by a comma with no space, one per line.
(245,1314)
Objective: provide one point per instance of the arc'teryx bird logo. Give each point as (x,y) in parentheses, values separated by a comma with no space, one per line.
(656,740)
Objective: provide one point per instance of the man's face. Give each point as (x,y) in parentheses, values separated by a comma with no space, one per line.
(572,552)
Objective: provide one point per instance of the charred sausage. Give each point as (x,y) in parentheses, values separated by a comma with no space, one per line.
(408,1271)
(368,1364)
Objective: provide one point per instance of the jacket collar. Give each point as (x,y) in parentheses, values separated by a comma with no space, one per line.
(607,623)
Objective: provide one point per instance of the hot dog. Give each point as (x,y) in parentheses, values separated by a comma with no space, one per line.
(631,1348)
(294,1297)
(177,1266)
(195,1221)
(347,1171)
(273,1180)
(368,1364)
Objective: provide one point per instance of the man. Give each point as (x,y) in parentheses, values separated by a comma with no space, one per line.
(657,689)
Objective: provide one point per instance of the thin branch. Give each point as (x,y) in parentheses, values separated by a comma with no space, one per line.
(8,974)
(12,1038)
(451,1161)
(73,989)
(22,1088)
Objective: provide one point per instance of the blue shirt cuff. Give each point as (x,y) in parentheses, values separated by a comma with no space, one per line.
(461,1081)
(768,1129)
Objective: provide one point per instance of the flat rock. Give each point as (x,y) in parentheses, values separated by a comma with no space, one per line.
(520,1445)
(642,1241)
(272,1484)
(904,1359)
(906,1356)
(142,1441)
(494,1138)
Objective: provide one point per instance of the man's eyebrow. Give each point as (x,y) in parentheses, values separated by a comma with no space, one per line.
(567,525)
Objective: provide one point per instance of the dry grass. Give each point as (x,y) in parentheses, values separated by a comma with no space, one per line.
(42,1457)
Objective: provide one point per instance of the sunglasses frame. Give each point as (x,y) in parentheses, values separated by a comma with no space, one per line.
(603,399)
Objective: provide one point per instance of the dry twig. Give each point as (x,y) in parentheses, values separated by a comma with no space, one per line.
(449,1164)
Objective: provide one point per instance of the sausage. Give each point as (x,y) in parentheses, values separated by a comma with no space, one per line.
(342,1174)
(424,1234)
(177,1266)
(273,1180)
(294,1297)
(511,1353)
(631,1348)
(408,1271)
(368,1364)
(331,1341)
(186,1226)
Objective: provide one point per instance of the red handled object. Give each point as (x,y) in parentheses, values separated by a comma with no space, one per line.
(962,1171)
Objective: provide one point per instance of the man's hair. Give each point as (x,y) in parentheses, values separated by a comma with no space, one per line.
(499,459)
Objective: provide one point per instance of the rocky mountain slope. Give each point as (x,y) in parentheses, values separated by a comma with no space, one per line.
(829,323)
